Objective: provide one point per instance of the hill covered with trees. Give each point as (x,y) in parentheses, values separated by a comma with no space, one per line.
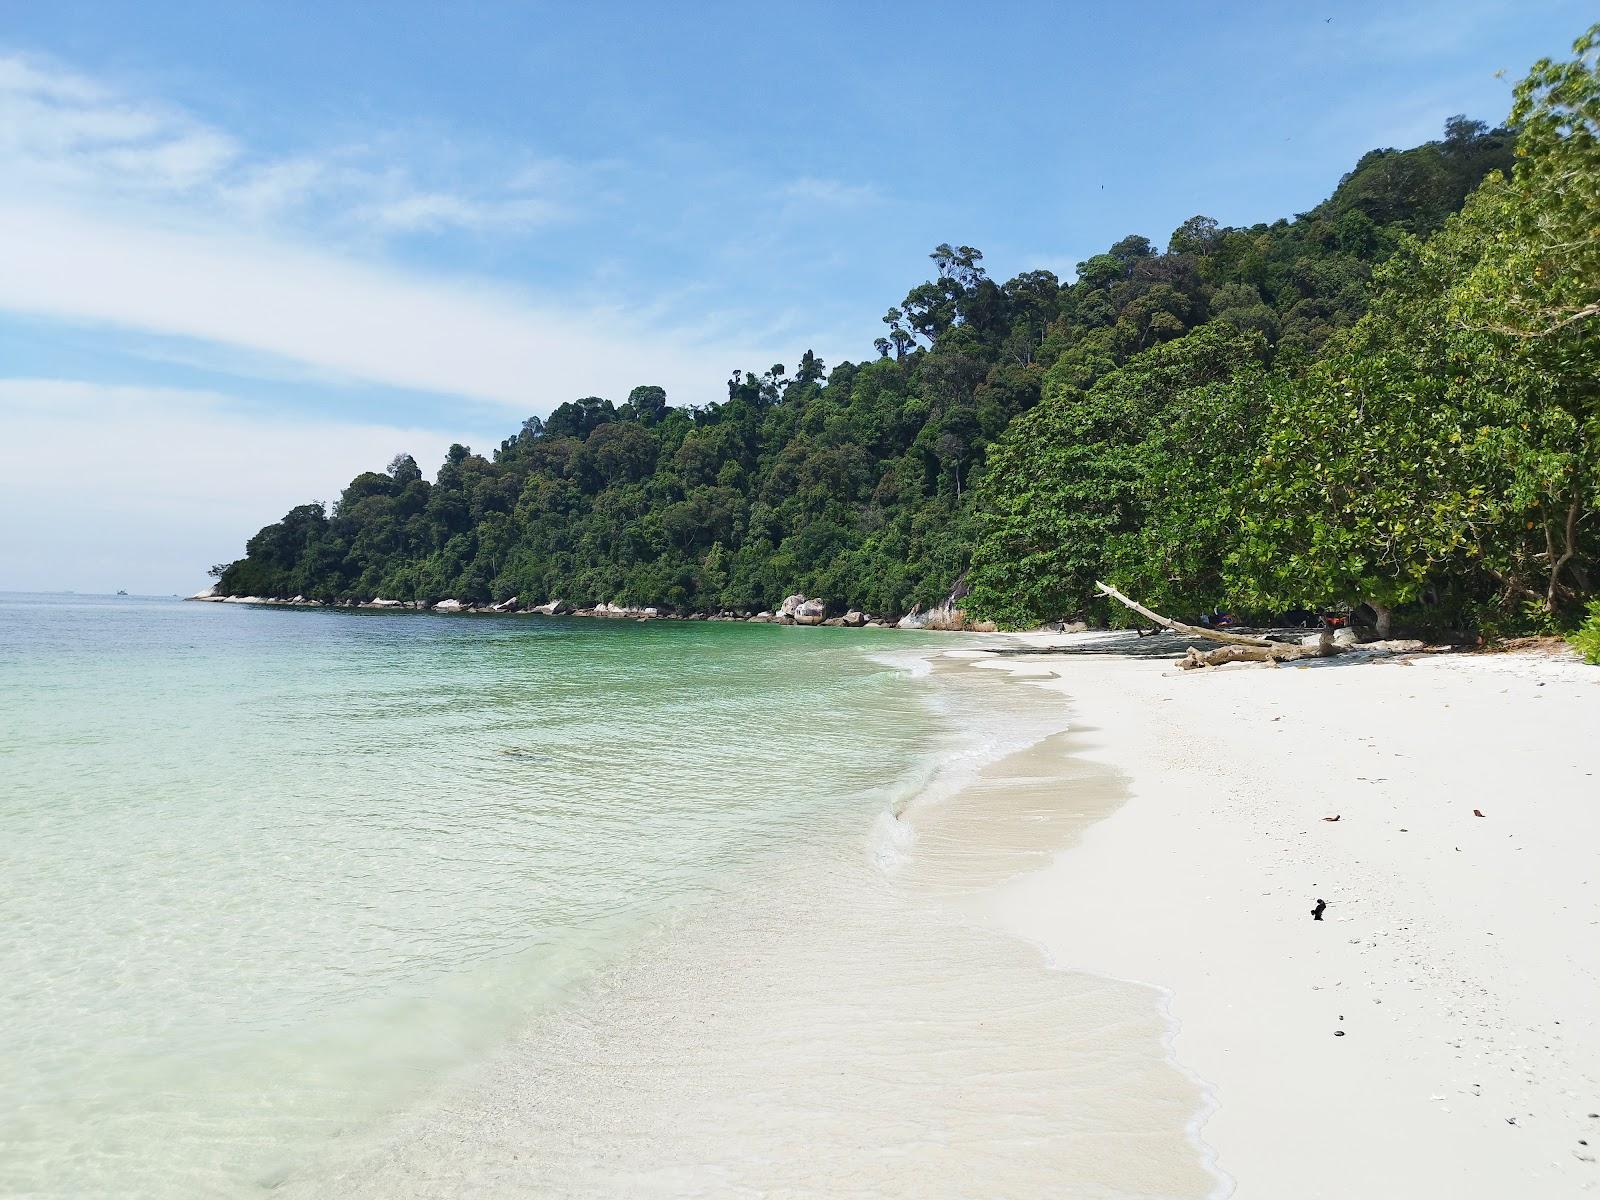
(1390,399)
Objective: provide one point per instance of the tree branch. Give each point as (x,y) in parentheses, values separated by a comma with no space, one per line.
(1236,647)
(1214,635)
(1590,310)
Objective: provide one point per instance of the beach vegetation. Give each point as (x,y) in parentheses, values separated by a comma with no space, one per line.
(1586,638)
(1390,401)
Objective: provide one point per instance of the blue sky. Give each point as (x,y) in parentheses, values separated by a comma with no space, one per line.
(245,254)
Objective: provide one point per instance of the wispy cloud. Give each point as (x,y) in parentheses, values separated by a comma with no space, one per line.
(266,190)
(60,129)
(134,215)
(350,319)
(417,210)
(811,191)
(63,131)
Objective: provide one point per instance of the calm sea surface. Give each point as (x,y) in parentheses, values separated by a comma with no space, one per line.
(267,875)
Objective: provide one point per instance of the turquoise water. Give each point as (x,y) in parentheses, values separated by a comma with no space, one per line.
(267,876)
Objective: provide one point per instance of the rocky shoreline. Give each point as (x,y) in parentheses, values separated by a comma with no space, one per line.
(797,609)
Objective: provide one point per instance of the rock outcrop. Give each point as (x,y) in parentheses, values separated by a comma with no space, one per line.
(619,612)
(948,614)
(1353,636)
(811,612)
(797,610)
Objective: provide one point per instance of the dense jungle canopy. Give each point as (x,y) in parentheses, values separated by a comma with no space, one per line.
(1391,399)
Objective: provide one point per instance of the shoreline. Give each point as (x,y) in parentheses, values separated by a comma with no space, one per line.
(797,609)
(1073,952)
(1437,1032)
(856,1023)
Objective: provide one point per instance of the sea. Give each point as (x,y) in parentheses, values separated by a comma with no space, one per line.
(341,903)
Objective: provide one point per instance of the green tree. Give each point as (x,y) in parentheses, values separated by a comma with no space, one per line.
(1030,433)
(1072,487)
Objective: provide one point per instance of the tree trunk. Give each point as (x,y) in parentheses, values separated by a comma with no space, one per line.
(1195,658)
(1236,647)
(1212,635)
(1382,620)
(1559,563)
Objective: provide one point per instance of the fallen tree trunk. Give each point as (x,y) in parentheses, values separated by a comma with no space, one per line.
(1195,657)
(1199,631)
(1235,647)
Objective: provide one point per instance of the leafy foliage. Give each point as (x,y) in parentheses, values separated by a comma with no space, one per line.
(1390,398)
(1586,639)
(1442,451)
(1119,479)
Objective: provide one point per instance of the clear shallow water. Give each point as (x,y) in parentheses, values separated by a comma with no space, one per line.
(267,876)
(851,1022)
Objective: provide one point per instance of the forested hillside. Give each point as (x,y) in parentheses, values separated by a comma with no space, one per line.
(1389,399)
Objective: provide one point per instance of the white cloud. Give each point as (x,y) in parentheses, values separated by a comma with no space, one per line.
(125,214)
(174,163)
(268,190)
(347,318)
(58,129)
(428,211)
(829,193)
(143,488)
(62,131)
(137,216)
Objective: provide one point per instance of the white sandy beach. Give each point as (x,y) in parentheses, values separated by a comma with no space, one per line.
(1459,957)
(856,1029)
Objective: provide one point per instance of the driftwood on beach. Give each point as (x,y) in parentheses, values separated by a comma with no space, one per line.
(1234,647)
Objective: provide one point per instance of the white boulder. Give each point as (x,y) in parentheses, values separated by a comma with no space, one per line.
(810,612)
